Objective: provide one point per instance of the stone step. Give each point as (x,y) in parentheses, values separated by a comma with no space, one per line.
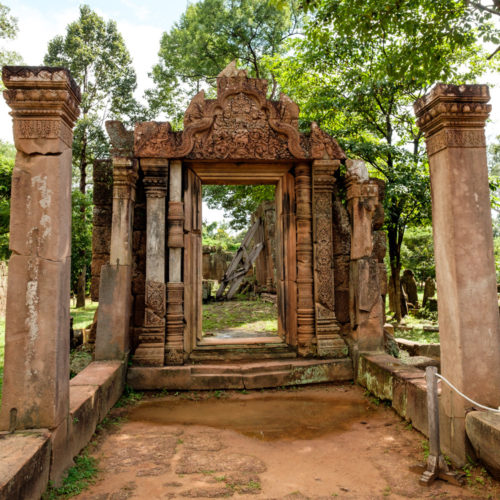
(238,353)
(241,375)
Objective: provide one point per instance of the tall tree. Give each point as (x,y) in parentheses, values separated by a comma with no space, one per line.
(209,35)
(8,30)
(95,53)
(357,71)
(7,159)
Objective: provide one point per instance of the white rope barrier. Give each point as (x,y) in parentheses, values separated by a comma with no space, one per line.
(467,398)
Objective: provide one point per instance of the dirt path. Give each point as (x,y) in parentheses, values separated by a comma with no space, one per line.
(315,442)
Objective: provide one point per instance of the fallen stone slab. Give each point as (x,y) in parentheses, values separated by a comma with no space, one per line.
(483,431)
(414,348)
(421,362)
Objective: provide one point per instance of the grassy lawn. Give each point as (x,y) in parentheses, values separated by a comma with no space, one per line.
(255,315)
(2,349)
(83,316)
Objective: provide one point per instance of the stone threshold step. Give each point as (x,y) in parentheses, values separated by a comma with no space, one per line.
(244,375)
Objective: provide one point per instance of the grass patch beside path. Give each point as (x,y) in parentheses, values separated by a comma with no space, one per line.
(83,316)
(418,335)
(2,351)
(255,315)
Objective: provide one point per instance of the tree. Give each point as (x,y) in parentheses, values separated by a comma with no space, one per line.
(95,53)
(238,202)
(360,83)
(209,35)
(8,30)
(7,159)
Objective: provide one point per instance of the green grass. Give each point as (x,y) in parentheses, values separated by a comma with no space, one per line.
(417,335)
(255,315)
(2,350)
(83,316)
(78,478)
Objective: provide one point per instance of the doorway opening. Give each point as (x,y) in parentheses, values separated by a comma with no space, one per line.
(239,292)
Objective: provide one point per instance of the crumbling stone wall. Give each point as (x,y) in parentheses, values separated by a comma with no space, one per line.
(265,265)
(101,230)
(215,262)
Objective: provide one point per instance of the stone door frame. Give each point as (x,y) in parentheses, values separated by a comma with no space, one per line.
(279,174)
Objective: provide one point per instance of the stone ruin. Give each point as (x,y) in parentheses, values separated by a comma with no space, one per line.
(328,252)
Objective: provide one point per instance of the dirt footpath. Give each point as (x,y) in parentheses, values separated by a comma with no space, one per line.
(313,442)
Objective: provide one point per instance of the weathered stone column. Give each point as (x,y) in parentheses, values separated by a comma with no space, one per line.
(44,103)
(305,281)
(366,307)
(150,351)
(452,118)
(112,336)
(330,343)
(174,347)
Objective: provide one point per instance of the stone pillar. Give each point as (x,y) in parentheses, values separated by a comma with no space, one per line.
(115,288)
(452,119)
(305,281)
(150,351)
(329,341)
(366,307)
(174,347)
(44,103)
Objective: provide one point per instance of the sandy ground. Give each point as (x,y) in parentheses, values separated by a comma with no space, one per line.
(317,442)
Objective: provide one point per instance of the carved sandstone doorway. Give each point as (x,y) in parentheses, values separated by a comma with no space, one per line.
(281,176)
(325,244)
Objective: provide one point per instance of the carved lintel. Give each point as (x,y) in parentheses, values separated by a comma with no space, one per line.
(174,345)
(45,105)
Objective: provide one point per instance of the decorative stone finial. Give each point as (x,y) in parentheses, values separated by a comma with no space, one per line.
(357,169)
(232,71)
(122,140)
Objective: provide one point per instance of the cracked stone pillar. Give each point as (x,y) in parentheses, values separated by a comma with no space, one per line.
(44,103)
(452,119)
(365,300)
(330,343)
(174,348)
(151,348)
(115,288)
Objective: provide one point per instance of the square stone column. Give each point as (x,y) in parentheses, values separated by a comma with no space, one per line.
(365,299)
(452,118)
(151,348)
(329,341)
(44,103)
(115,288)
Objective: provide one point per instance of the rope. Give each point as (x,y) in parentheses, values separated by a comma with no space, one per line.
(467,398)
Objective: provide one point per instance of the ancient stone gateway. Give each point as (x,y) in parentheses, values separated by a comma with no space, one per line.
(330,275)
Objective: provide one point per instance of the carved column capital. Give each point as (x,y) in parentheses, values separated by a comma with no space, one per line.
(125,174)
(453,116)
(45,105)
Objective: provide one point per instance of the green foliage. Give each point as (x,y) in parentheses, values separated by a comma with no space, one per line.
(216,235)
(208,36)
(7,159)
(417,252)
(8,29)
(2,351)
(357,72)
(81,234)
(238,202)
(78,478)
(83,316)
(129,397)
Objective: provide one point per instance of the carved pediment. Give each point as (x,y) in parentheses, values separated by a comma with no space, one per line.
(240,125)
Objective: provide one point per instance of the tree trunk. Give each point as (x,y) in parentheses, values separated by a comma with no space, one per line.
(395,263)
(81,288)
